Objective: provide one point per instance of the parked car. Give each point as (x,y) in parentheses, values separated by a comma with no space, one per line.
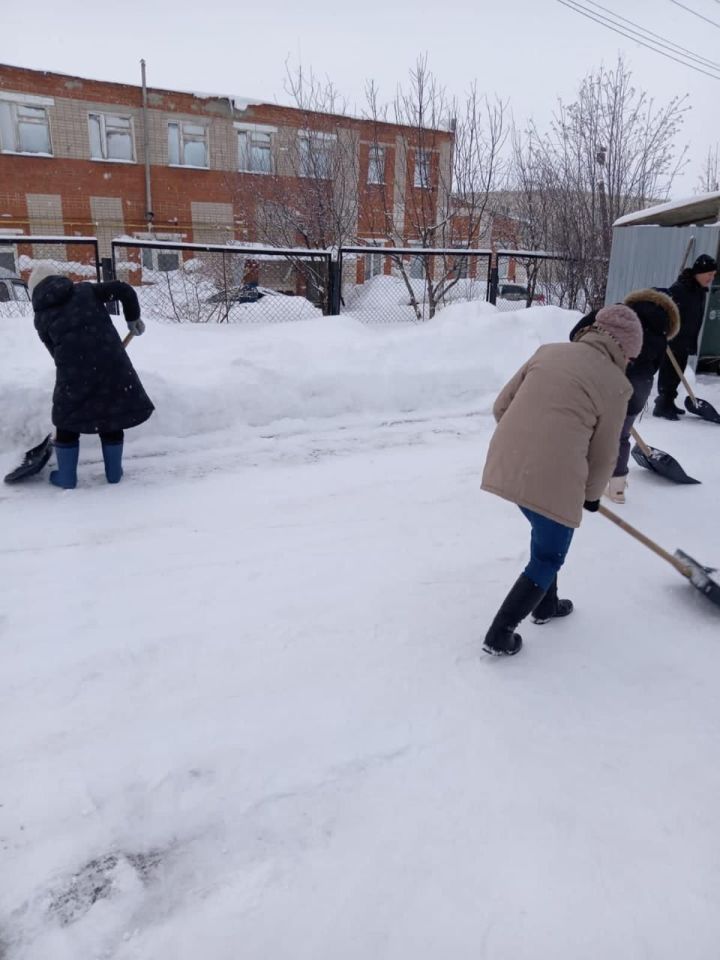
(12,288)
(245,293)
(517,292)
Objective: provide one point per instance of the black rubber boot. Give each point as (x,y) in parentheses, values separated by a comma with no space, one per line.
(550,607)
(501,639)
(665,408)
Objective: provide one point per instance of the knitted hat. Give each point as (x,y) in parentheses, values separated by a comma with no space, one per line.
(704,264)
(622,324)
(40,272)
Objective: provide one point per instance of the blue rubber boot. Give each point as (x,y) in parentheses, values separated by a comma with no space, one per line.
(112,455)
(67,460)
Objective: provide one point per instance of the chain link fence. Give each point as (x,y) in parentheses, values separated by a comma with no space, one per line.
(409,285)
(212,283)
(533,278)
(74,257)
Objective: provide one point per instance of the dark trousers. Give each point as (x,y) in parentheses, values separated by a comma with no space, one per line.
(668,380)
(549,545)
(69,437)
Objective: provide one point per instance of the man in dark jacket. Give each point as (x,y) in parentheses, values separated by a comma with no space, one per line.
(660,321)
(689,292)
(96,387)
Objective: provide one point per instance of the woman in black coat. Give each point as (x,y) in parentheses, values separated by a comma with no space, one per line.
(96,387)
(660,320)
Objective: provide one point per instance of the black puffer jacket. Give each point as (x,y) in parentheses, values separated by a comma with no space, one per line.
(689,296)
(660,321)
(96,387)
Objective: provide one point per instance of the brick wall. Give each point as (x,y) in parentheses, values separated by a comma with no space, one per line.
(101,198)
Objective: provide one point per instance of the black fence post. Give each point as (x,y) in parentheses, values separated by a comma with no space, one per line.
(107,273)
(493,280)
(107,269)
(335,285)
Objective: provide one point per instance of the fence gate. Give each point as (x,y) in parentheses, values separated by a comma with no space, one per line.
(74,257)
(217,283)
(409,284)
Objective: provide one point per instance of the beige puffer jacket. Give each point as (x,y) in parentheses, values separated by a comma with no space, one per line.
(559,422)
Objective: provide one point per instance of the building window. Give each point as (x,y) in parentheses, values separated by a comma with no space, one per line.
(24,129)
(376,164)
(187,144)
(255,151)
(374,264)
(316,154)
(111,137)
(8,258)
(422,169)
(157,259)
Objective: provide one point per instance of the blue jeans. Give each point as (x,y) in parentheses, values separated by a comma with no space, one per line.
(549,545)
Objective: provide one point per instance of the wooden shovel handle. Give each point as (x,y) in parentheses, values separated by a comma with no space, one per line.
(646,541)
(682,376)
(641,443)
(127,339)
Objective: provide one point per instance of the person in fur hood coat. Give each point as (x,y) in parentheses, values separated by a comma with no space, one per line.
(660,321)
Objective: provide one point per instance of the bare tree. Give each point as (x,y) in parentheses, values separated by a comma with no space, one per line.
(313,196)
(610,152)
(448,162)
(709,179)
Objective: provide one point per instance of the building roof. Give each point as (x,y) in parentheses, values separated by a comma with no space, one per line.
(704,208)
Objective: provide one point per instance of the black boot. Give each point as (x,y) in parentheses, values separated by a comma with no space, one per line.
(501,639)
(665,408)
(550,607)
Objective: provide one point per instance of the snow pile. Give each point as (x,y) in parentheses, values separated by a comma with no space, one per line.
(387,299)
(204,378)
(244,710)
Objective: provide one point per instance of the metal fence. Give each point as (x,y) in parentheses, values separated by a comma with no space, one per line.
(528,278)
(217,283)
(409,284)
(74,257)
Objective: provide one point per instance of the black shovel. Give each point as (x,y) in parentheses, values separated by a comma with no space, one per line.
(701,408)
(693,571)
(36,458)
(658,461)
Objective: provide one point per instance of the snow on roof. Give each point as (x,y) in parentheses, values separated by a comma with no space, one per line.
(701,208)
(238,103)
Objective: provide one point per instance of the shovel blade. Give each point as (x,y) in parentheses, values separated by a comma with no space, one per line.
(700,577)
(33,462)
(702,409)
(662,464)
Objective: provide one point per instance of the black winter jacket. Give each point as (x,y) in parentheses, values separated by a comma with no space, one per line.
(660,321)
(690,299)
(96,387)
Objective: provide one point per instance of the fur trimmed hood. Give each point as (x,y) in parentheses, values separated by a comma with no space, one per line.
(661,300)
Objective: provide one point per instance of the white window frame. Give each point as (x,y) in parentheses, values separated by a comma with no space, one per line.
(103,118)
(248,131)
(315,137)
(377,149)
(10,102)
(184,138)
(423,169)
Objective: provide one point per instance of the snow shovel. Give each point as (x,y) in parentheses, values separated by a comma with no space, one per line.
(693,571)
(701,408)
(658,461)
(36,458)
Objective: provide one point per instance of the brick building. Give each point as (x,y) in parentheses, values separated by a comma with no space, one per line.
(73,161)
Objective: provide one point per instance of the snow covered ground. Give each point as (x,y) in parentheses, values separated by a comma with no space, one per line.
(244,711)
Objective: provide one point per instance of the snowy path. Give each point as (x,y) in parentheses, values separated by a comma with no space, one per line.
(243,704)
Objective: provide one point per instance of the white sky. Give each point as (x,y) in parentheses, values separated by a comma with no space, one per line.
(528,51)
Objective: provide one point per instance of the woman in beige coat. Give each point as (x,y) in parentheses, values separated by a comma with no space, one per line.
(553,451)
